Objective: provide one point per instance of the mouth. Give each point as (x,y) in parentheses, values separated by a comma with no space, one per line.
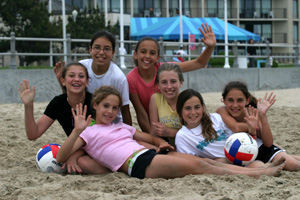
(76,85)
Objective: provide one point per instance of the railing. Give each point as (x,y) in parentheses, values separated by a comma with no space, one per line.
(238,50)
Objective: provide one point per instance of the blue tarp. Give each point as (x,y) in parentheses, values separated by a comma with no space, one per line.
(169,28)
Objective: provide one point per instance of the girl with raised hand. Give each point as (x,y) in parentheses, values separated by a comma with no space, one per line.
(204,134)
(103,71)
(236,99)
(164,119)
(75,80)
(114,146)
(142,78)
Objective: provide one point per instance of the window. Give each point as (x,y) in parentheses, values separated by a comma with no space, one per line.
(295,8)
(295,32)
(148,8)
(112,6)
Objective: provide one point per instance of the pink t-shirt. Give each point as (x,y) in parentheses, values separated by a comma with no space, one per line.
(137,85)
(110,145)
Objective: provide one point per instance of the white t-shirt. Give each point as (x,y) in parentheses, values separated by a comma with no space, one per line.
(113,77)
(182,52)
(192,142)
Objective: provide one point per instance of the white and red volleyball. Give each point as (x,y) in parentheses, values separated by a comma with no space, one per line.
(46,159)
(241,149)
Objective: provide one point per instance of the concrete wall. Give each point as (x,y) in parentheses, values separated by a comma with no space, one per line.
(204,80)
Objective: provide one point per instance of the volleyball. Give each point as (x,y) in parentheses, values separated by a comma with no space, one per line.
(241,149)
(46,159)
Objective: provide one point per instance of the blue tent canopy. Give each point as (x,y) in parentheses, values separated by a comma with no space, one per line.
(169,29)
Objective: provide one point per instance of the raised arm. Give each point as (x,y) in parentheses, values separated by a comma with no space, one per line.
(58,69)
(232,124)
(74,142)
(33,129)
(263,105)
(251,118)
(209,40)
(141,114)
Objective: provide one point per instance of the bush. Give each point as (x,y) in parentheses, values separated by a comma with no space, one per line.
(262,65)
(220,62)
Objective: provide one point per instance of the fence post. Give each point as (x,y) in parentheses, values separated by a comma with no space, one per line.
(296,59)
(69,56)
(235,52)
(268,55)
(51,56)
(161,48)
(117,54)
(13,64)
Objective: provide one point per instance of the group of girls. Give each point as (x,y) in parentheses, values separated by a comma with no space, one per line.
(114,145)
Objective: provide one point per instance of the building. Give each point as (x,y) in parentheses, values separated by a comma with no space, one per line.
(274,20)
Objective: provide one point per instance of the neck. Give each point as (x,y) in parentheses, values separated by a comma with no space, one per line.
(99,70)
(148,74)
(74,99)
(172,103)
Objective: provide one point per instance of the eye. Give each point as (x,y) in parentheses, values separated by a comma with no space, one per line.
(187,108)
(115,108)
(173,81)
(197,106)
(240,100)
(163,82)
(107,49)
(153,52)
(106,105)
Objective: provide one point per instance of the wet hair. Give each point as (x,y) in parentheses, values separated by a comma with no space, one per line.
(104,34)
(67,67)
(208,132)
(138,45)
(243,88)
(169,67)
(103,92)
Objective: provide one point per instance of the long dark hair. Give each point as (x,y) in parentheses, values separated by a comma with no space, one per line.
(106,35)
(208,132)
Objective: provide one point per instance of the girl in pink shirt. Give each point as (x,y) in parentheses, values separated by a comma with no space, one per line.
(115,146)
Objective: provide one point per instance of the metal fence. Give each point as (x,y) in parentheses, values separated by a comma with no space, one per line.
(166,48)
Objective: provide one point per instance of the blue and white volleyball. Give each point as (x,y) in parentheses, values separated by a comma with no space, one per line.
(241,149)
(46,159)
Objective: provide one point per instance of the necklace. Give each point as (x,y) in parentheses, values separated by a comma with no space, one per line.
(193,132)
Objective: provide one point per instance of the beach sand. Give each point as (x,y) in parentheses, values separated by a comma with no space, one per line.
(20,179)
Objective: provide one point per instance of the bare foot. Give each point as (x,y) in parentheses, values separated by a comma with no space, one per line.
(274,171)
(277,162)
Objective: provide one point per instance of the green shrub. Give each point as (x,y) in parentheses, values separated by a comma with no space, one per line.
(220,62)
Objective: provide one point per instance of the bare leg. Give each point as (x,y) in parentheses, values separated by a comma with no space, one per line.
(292,164)
(166,166)
(90,166)
(220,164)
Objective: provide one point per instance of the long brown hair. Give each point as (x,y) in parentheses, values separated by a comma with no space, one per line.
(208,132)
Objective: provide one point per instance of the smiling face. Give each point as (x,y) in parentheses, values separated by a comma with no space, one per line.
(169,84)
(147,55)
(192,112)
(75,79)
(235,102)
(102,53)
(107,109)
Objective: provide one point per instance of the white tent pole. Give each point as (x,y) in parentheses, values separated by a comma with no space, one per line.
(122,60)
(64,30)
(226,36)
(180,14)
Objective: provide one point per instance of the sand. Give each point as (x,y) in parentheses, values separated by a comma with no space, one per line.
(20,179)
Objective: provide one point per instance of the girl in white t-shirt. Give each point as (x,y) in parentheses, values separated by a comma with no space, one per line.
(204,134)
(103,71)
(114,146)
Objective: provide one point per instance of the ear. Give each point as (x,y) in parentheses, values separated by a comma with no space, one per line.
(95,105)
(90,50)
(181,82)
(158,57)
(113,53)
(135,55)
(62,81)
(248,101)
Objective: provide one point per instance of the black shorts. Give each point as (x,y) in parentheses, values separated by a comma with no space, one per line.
(141,163)
(266,154)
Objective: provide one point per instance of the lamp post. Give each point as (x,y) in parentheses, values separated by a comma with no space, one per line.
(74,15)
(226,36)
(64,30)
